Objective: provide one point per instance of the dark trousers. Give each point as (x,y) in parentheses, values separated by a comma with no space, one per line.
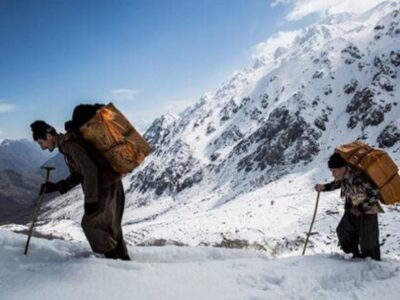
(103,228)
(359,235)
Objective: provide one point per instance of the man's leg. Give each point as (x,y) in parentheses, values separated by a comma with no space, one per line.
(369,236)
(121,249)
(347,234)
(99,239)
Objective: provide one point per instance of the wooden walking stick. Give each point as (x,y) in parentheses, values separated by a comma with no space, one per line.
(312,223)
(36,211)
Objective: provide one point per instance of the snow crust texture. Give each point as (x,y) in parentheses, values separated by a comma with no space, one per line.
(66,270)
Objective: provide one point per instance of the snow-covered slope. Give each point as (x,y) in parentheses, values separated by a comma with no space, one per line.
(238,167)
(64,270)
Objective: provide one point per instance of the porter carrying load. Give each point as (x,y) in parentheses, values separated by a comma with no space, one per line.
(377,165)
(112,135)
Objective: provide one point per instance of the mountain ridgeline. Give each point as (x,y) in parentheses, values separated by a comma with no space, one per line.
(325,85)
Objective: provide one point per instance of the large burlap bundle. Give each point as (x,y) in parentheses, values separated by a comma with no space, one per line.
(118,141)
(377,165)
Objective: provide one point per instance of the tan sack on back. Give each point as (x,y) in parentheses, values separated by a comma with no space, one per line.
(117,140)
(377,165)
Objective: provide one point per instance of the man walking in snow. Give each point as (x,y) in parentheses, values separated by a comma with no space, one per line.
(358,230)
(102,188)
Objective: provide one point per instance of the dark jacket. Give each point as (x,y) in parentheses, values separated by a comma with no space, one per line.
(87,167)
(101,186)
(358,191)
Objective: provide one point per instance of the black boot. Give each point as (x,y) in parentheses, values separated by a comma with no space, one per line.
(124,257)
(113,254)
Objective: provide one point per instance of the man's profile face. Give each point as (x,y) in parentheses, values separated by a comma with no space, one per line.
(338,173)
(48,143)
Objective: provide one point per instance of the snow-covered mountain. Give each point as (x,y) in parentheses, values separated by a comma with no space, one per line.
(20,162)
(21,177)
(315,89)
(237,168)
(18,191)
(21,155)
(61,170)
(142,125)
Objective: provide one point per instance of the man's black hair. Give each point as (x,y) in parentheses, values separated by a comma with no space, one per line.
(40,129)
(336,161)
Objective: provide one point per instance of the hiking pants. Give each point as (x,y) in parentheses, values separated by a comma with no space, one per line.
(103,228)
(359,235)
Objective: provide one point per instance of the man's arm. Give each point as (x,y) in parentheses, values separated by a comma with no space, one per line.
(331,186)
(68,183)
(87,168)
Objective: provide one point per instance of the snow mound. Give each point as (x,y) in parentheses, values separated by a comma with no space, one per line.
(56,269)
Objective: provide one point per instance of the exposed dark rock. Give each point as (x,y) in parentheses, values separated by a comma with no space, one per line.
(179,173)
(264,101)
(210,128)
(385,83)
(352,123)
(190,181)
(316,101)
(256,114)
(318,75)
(225,117)
(350,87)
(351,54)
(215,156)
(361,66)
(363,108)
(320,122)
(281,132)
(393,28)
(395,58)
(378,62)
(387,108)
(327,90)
(374,118)
(206,116)
(229,109)
(161,242)
(244,102)
(238,244)
(158,133)
(389,136)
(228,137)
(298,96)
